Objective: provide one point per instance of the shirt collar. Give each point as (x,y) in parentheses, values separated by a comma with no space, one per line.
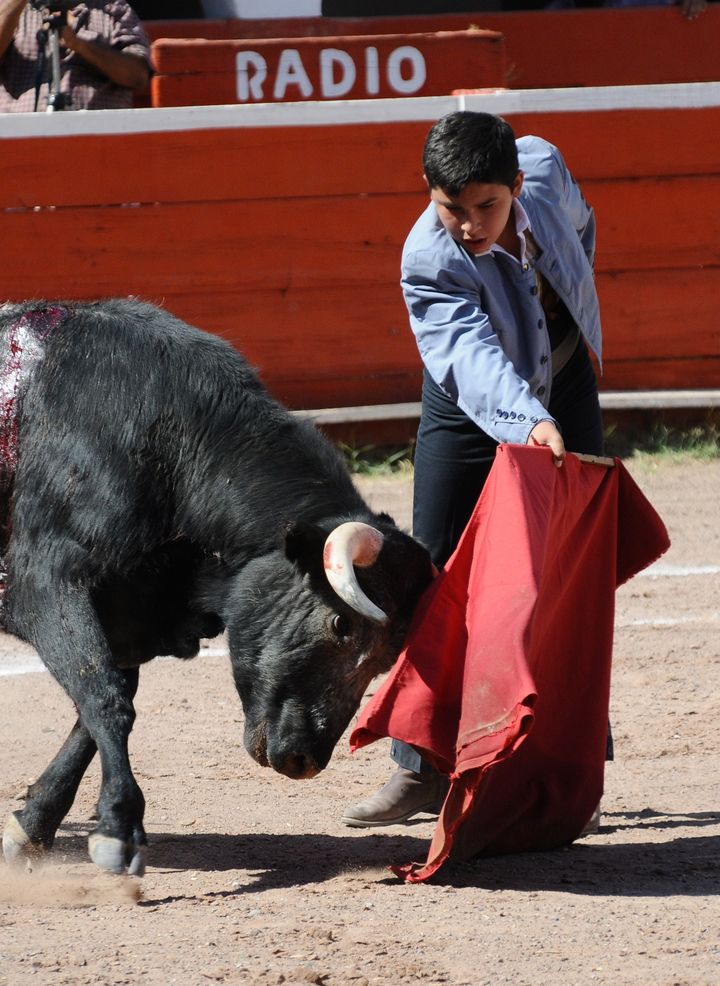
(522,226)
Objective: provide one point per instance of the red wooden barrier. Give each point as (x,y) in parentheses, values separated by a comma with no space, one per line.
(546,49)
(199,72)
(285,236)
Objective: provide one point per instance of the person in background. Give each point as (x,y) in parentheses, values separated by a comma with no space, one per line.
(385,8)
(497,275)
(104,55)
(690,8)
(171,10)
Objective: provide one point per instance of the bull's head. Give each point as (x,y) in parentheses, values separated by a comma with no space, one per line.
(310,626)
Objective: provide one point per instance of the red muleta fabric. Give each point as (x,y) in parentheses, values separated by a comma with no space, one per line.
(505,678)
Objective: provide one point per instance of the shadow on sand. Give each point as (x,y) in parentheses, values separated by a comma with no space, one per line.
(686,865)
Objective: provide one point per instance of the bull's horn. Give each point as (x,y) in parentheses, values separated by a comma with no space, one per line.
(353,543)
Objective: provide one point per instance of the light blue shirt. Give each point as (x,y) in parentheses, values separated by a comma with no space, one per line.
(478,321)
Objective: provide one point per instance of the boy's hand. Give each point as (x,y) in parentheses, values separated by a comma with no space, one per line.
(545,433)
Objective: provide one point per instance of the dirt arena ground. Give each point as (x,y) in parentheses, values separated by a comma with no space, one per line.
(253,880)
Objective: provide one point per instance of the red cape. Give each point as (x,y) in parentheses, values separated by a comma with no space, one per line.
(510,652)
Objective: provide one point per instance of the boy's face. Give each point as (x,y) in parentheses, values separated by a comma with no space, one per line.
(480,215)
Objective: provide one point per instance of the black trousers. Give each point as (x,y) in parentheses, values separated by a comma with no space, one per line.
(453,458)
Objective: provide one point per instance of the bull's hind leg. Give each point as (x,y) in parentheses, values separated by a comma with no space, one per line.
(68,637)
(30,832)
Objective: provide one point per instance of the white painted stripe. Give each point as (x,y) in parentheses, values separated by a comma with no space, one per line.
(662,570)
(206,652)
(669,621)
(329,113)
(14,664)
(691,95)
(694,95)
(19,666)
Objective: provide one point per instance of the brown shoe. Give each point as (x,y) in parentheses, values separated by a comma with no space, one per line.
(405,794)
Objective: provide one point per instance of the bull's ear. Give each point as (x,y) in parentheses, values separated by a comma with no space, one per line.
(304,545)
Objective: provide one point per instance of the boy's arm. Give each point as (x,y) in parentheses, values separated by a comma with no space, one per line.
(463,355)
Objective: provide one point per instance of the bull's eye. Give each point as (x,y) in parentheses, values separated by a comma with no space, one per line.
(341,626)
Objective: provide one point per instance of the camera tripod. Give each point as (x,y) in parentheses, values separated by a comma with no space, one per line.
(54,20)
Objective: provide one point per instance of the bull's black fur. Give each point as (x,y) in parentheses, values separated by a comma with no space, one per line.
(162,495)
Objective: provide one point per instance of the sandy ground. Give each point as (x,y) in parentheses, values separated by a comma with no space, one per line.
(253,880)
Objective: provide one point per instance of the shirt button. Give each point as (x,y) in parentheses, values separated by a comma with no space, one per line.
(526,266)
(541,391)
(540,323)
(533,289)
(543,360)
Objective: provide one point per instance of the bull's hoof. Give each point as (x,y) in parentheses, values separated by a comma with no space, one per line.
(18,848)
(117,856)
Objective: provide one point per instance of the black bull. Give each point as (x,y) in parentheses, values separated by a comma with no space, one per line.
(155,494)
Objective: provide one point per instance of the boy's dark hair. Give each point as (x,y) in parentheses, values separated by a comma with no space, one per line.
(466,147)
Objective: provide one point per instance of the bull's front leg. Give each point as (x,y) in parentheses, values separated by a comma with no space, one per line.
(30,832)
(70,641)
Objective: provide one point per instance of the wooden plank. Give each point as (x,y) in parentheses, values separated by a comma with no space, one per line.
(649,400)
(656,223)
(309,355)
(657,229)
(366,412)
(647,316)
(617,144)
(589,46)
(369,159)
(170,251)
(344,244)
(662,372)
(251,164)
(628,400)
(197,72)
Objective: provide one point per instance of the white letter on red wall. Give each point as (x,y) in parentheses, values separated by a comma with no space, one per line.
(291,72)
(418,72)
(329,59)
(250,85)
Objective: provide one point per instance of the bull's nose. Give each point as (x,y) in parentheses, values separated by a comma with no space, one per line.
(298,766)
